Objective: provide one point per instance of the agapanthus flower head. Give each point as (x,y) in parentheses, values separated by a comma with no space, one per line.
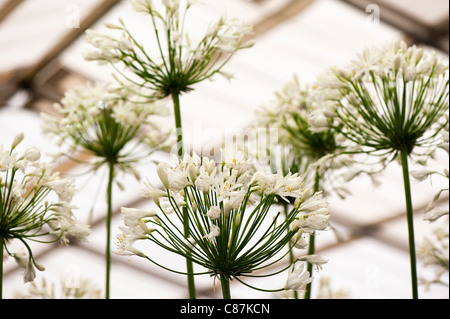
(34,204)
(107,125)
(179,62)
(391,101)
(388,99)
(307,144)
(298,279)
(233,229)
(292,112)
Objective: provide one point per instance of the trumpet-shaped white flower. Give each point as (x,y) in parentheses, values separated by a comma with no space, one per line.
(299,241)
(422,174)
(204,182)
(64,187)
(311,203)
(152,192)
(5,159)
(127,238)
(309,223)
(298,279)
(290,185)
(316,260)
(144,6)
(131,216)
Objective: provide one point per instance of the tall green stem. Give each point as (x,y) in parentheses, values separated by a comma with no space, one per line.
(410,218)
(312,239)
(180,148)
(225,283)
(178,124)
(291,253)
(108,228)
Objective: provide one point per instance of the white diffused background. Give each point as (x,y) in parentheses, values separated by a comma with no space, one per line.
(302,37)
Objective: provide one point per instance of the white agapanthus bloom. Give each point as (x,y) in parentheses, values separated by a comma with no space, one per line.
(226,206)
(316,260)
(179,62)
(422,174)
(144,6)
(298,279)
(370,96)
(107,125)
(34,203)
(392,101)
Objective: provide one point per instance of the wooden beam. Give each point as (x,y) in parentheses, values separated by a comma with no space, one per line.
(414,29)
(100,10)
(289,11)
(9,7)
(27,76)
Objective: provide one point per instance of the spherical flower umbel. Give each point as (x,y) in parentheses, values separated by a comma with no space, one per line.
(233,228)
(292,112)
(107,125)
(34,205)
(388,99)
(298,279)
(178,62)
(393,102)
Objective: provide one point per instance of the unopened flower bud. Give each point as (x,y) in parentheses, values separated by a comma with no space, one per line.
(192,172)
(39,266)
(112,26)
(145,228)
(297,202)
(17,140)
(237,220)
(31,154)
(161,170)
(397,63)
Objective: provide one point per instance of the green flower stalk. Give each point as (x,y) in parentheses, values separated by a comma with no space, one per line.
(116,133)
(312,151)
(233,228)
(392,102)
(35,206)
(176,65)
